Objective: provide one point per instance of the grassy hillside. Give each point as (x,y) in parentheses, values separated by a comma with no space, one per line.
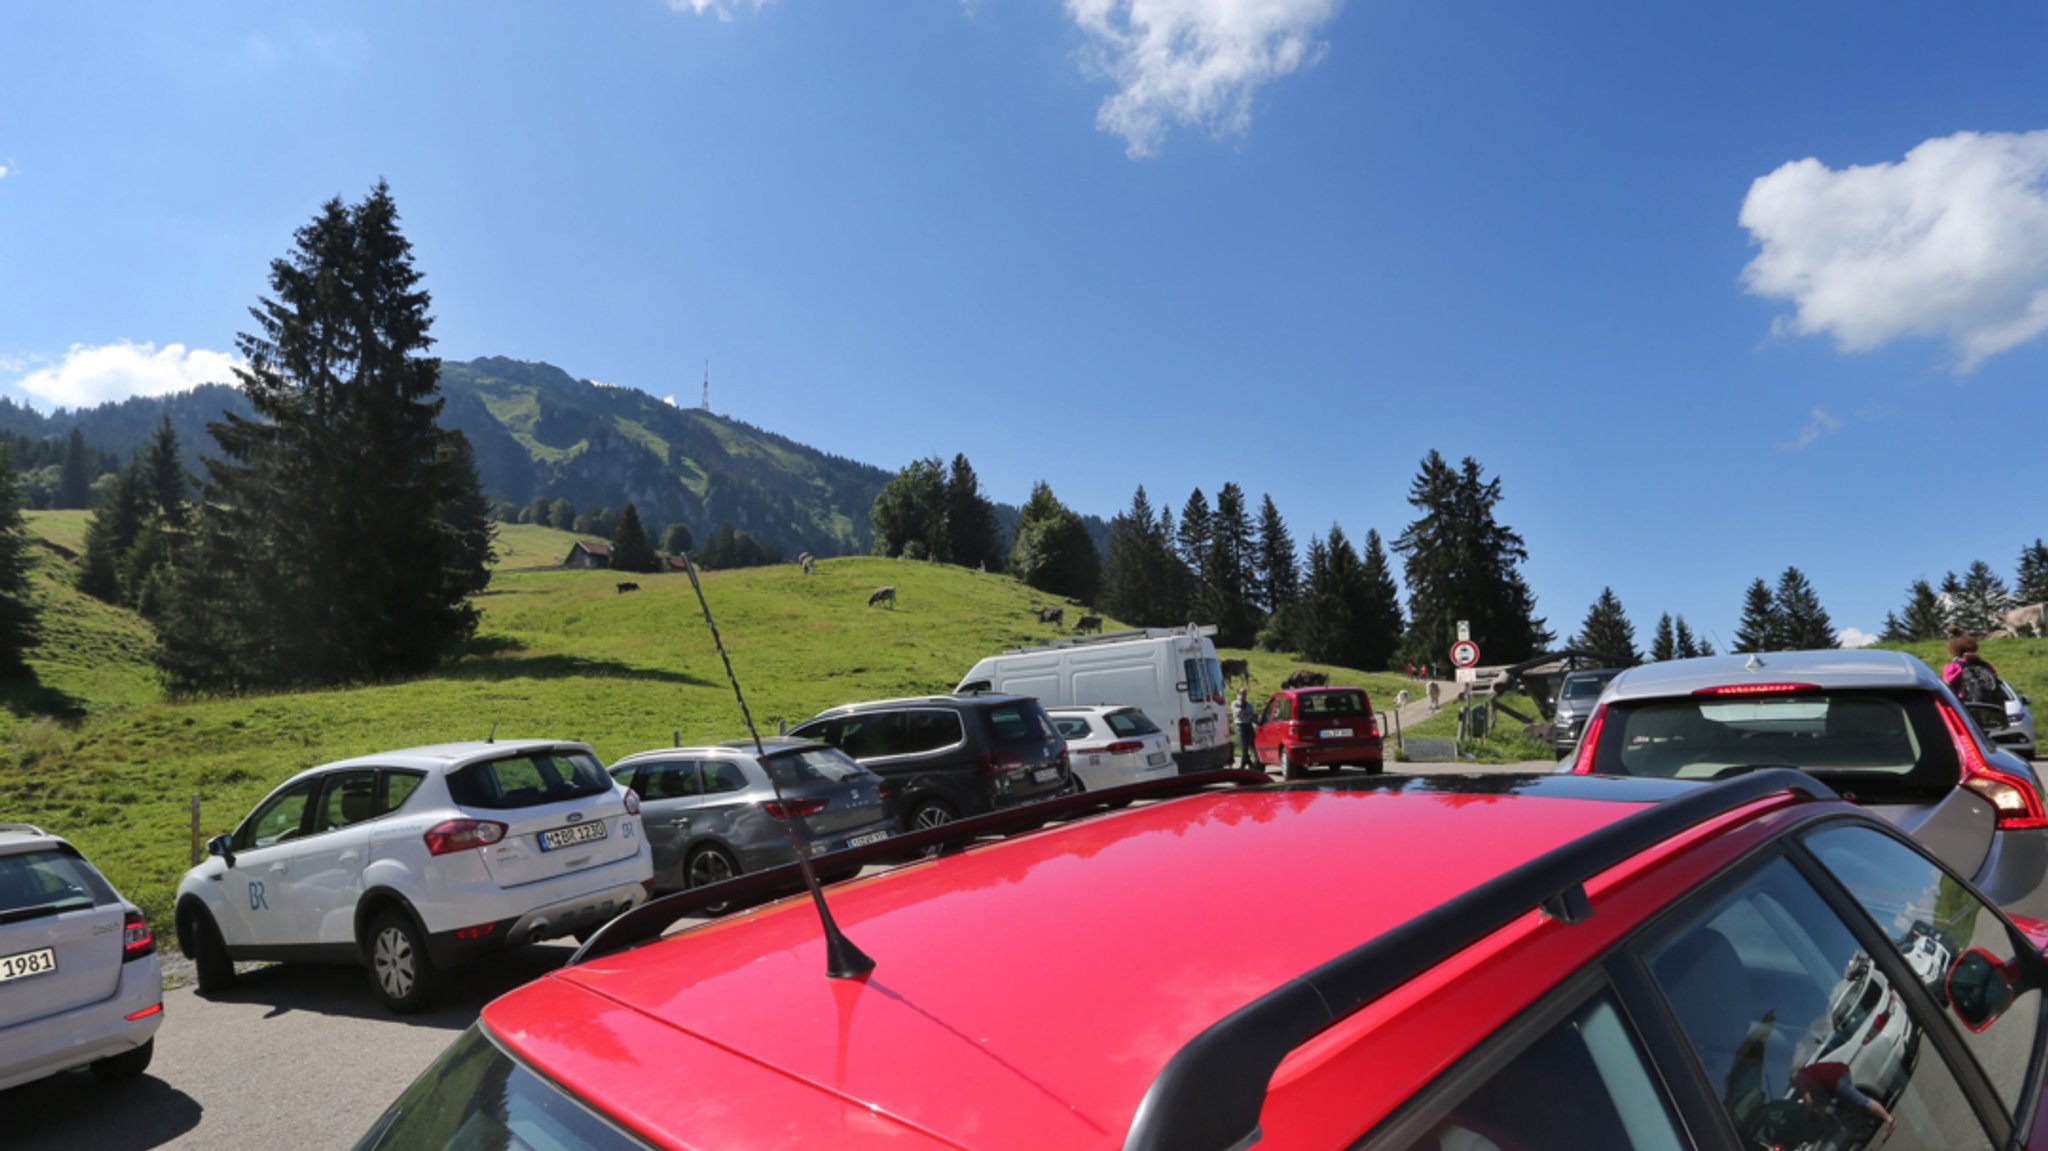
(560,654)
(2023,663)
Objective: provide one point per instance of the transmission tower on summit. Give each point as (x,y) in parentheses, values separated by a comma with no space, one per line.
(707,386)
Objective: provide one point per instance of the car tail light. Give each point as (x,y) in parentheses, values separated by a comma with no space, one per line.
(455,835)
(478,932)
(2013,797)
(1758,689)
(1187,734)
(784,809)
(1583,765)
(144,1013)
(136,938)
(632,802)
(1124,746)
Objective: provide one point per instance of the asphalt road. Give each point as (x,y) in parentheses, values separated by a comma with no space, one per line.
(294,1057)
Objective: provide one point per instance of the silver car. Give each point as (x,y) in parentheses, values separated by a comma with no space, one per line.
(1878,726)
(79,981)
(711,812)
(2016,734)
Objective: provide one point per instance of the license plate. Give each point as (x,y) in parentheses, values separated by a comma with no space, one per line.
(870,837)
(27,963)
(1336,733)
(1157,758)
(1045,775)
(572,835)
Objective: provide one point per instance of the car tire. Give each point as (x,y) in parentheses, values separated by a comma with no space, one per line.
(1375,766)
(126,1065)
(401,971)
(710,864)
(931,813)
(1288,768)
(203,945)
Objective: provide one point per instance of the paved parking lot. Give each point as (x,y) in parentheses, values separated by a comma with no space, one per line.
(299,1057)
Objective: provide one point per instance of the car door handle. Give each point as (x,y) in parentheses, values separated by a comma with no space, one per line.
(350,856)
(277,869)
(680,821)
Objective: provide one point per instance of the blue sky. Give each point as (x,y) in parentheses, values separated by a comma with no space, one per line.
(1714,288)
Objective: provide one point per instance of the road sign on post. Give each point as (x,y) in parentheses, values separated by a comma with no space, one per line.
(1464,653)
(1464,630)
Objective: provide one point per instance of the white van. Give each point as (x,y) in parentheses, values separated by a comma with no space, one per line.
(1171,674)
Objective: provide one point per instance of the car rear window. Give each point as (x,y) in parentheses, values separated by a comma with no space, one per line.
(1131,722)
(812,765)
(1014,723)
(48,882)
(1318,704)
(1584,687)
(529,780)
(1071,726)
(1891,743)
(476,1098)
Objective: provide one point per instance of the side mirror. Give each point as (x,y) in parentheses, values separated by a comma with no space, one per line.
(222,846)
(1977,989)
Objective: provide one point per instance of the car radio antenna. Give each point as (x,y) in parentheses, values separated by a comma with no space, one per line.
(842,959)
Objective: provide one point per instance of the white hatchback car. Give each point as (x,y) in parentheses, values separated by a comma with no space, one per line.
(410,862)
(79,982)
(1112,746)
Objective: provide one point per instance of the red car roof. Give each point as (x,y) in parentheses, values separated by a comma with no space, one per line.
(1027,992)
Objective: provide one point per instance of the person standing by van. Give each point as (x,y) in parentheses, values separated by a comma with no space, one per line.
(1247,730)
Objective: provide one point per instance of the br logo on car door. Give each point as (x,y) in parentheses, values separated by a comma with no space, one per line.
(256,900)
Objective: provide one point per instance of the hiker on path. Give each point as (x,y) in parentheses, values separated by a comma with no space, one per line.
(1969,675)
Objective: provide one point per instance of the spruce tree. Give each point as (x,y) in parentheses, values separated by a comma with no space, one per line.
(1336,590)
(19,615)
(1982,601)
(630,550)
(116,520)
(676,540)
(74,476)
(1803,622)
(1379,610)
(909,513)
(1278,575)
(972,538)
(2033,575)
(1922,618)
(164,475)
(1053,552)
(1461,562)
(324,551)
(1193,536)
(1607,631)
(1664,643)
(1229,594)
(1759,629)
(1686,646)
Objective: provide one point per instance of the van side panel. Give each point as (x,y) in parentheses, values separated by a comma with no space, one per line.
(1135,685)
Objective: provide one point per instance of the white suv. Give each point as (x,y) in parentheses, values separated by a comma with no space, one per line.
(79,984)
(410,862)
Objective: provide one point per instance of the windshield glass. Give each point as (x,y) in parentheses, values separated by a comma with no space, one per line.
(475,1098)
(1584,687)
(1131,722)
(1874,734)
(529,780)
(50,881)
(813,765)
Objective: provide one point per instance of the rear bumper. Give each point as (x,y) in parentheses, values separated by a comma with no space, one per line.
(569,915)
(87,1034)
(1204,759)
(1328,753)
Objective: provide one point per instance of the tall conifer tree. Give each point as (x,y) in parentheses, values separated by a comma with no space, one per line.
(2033,574)
(1608,631)
(1760,629)
(1803,623)
(1664,641)
(20,618)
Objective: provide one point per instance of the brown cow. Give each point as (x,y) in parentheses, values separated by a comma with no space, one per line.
(1237,669)
(1088,623)
(1303,677)
(883,595)
(1057,616)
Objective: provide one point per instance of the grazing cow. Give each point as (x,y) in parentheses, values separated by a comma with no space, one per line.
(1057,616)
(808,561)
(1088,623)
(1401,699)
(885,595)
(1435,696)
(627,586)
(1237,669)
(1303,677)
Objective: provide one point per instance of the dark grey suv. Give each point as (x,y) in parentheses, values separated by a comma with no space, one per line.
(947,756)
(1575,699)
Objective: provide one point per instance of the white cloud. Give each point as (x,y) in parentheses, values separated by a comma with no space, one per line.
(1950,242)
(1193,62)
(723,9)
(1855,637)
(1819,422)
(8,169)
(96,375)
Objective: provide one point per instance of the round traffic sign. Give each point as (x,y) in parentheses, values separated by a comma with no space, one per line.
(1464,653)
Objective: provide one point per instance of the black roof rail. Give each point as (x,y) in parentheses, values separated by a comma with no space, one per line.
(652,919)
(1209,1095)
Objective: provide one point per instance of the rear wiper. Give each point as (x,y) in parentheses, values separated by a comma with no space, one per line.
(18,914)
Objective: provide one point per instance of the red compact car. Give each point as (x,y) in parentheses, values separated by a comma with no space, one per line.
(1306,727)
(1537,962)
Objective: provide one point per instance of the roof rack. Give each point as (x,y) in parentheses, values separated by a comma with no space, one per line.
(1209,1095)
(26,828)
(652,919)
(1194,629)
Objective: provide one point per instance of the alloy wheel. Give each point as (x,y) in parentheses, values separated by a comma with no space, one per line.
(393,958)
